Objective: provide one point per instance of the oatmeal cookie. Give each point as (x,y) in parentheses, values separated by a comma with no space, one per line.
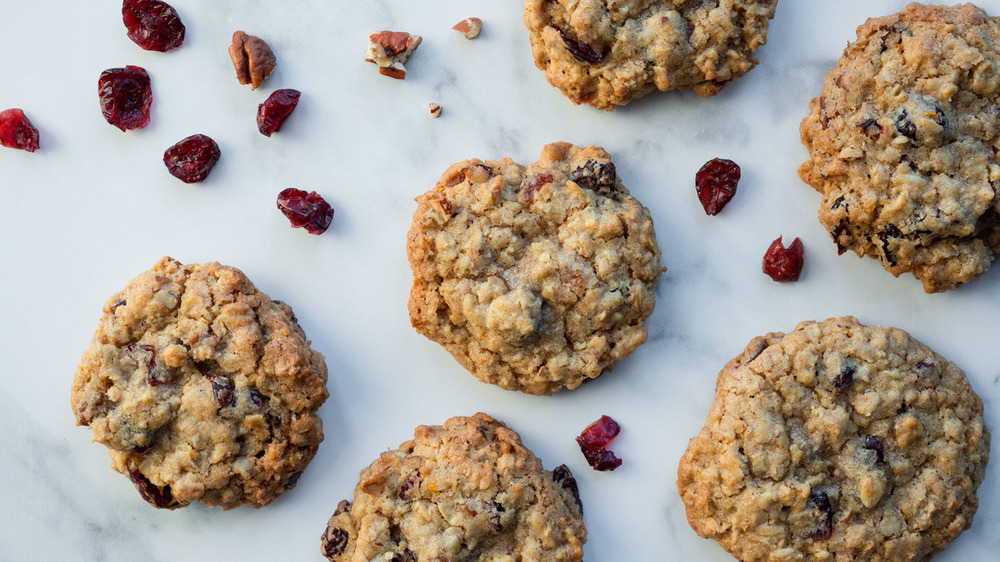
(467,491)
(535,278)
(606,53)
(903,144)
(202,388)
(837,441)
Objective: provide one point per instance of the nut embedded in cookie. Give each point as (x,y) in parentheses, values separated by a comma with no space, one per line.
(466,490)
(534,278)
(836,441)
(202,388)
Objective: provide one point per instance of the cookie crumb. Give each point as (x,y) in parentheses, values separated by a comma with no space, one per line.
(469,27)
(390,49)
(435,110)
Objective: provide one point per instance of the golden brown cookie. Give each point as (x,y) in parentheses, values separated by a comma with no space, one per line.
(202,388)
(467,491)
(903,144)
(837,441)
(607,53)
(535,279)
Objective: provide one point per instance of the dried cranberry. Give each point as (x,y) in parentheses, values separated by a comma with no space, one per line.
(125,95)
(223,390)
(821,501)
(151,492)
(580,50)
(564,478)
(276,108)
(784,264)
(594,442)
(308,210)
(334,542)
(531,184)
(16,131)
(191,159)
(876,444)
(843,380)
(716,184)
(599,434)
(153,25)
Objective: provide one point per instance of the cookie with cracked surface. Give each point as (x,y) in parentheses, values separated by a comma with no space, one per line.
(608,52)
(837,441)
(535,279)
(467,491)
(202,388)
(903,144)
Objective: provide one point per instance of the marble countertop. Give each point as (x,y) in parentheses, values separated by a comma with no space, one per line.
(95,207)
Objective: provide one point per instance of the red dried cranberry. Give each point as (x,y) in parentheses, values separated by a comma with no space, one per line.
(153,25)
(306,210)
(151,492)
(223,390)
(334,542)
(125,95)
(276,108)
(594,442)
(581,51)
(821,501)
(784,264)
(16,131)
(191,159)
(716,183)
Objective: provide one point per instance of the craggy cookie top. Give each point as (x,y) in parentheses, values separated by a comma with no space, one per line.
(202,387)
(606,53)
(837,441)
(903,143)
(533,278)
(467,491)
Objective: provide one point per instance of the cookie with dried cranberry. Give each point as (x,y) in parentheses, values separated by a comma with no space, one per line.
(202,388)
(466,491)
(903,144)
(606,53)
(535,279)
(837,441)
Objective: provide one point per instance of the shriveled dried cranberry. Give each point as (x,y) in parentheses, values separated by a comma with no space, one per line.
(821,501)
(876,444)
(599,434)
(595,176)
(594,442)
(256,398)
(223,390)
(276,108)
(580,50)
(843,380)
(151,492)
(564,478)
(716,184)
(784,264)
(306,210)
(191,159)
(16,131)
(153,25)
(334,542)
(531,184)
(125,95)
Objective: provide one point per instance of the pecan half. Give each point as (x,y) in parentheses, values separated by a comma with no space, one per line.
(252,58)
(390,49)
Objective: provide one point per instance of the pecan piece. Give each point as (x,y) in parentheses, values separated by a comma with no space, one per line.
(469,27)
(390,49)
(252,58)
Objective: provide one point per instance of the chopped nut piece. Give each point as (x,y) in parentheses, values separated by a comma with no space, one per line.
(470,27)
(435,109)
(390,49)
(253,59)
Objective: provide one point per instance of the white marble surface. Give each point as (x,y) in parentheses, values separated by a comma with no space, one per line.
(94,207)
